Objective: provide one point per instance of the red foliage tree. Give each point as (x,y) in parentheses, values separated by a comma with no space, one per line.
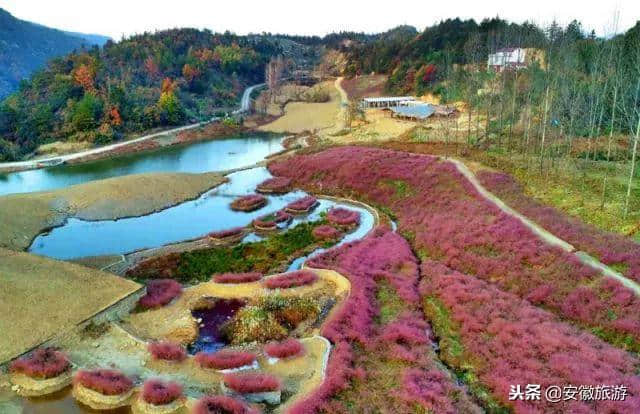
(84,76)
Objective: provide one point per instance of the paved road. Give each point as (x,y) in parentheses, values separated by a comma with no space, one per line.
(245,104)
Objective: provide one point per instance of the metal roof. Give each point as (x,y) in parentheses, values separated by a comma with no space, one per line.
(415,111)
(390,99)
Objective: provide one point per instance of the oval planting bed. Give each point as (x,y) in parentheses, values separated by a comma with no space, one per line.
(43,372)
(159,397)
(227,236)
(221,404)
(289,348)
(290,280)
(234,278)
(270,222)
(275,185)
(326,232)
(343,217)
(102,389)
(167,351)
(159,293)
(226,360)
(248,203)
(253,387)
(302,205)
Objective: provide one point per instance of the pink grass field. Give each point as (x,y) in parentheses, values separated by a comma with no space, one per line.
(302,204)
(158,392)
(237,277)
(104,381)
(167,351)
(224,359)
(290,280)
(42,363)
(447,221)
(249,202)
(159,293)
(286,349)
(275,185)
(250,383)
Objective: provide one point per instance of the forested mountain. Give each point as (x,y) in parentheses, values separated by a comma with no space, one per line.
(146,81)
(26,47)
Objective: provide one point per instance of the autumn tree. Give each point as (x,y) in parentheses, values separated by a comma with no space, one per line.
(84,76)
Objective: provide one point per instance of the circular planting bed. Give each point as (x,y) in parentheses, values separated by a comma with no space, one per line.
(102,389)
(326,232)
(233,278)
(220,404)
(275,185)
(289,348)
(290,280)
(226,360)
(167,351)
(343,217)
(248,203)
(159,293)
(253,387)
(159,397)
(270,222)
(227,236)
(302,205)
(43,372)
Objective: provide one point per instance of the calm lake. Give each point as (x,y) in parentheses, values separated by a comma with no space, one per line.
(214,155)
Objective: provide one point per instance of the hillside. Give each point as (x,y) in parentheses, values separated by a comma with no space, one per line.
(25,47)
(143,82)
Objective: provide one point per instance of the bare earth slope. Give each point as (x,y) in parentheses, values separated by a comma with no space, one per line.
(39,298)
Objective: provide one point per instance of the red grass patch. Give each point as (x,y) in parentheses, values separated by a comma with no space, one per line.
(302,205)
(291,279)
(220,404)
(224,359)
(276,185)
(158,392)
(326,232)
(167,351)
(222,234)
(285,349)
(343,217)
(104,381)
(270,221)
(249,202)
(42,363)
(250,383)
(160,292)
(237,277)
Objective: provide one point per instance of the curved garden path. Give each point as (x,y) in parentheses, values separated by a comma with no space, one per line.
(545,235)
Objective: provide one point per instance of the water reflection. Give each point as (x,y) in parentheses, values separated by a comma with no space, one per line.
(215,155)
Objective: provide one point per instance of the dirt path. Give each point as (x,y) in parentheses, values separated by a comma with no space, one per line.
(546,236)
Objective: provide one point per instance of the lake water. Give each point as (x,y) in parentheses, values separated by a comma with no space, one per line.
(214,155)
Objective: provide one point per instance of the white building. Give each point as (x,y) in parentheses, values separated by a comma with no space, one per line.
(513,57)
